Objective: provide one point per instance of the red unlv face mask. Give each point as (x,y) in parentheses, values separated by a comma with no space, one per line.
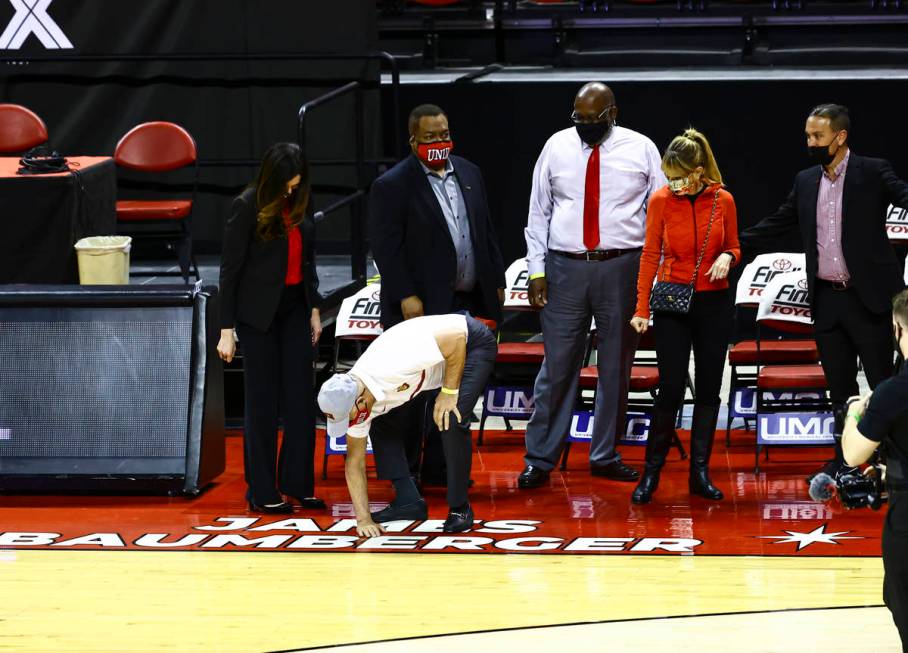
(434,155)
(362,415)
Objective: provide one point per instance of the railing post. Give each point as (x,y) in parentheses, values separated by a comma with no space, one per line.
(357,210)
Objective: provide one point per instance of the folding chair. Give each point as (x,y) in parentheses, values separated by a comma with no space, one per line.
(509,392)
(746,356)
(20,129)
(358,323)
(644,380)
(782,388)
(154,147)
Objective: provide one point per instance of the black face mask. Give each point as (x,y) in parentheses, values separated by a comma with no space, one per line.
(820,153)
(593,133)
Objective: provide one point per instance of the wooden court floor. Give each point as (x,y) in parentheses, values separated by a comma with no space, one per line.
(573,565)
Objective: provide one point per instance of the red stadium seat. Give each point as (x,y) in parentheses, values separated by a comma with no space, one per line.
(774,351)
(139,210)
(791,377)
(155,147)
(20,129)
(520,352)
(644,378)
(785,388)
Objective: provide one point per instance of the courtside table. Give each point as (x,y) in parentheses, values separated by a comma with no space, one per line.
(42,217)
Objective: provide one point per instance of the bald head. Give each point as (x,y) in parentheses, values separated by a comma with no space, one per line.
(594,100)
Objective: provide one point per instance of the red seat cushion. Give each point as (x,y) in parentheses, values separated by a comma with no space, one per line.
(643,378)
(520,352)
(774,351)
(140,210)
(784,377)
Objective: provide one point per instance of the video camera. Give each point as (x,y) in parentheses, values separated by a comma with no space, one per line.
(855,489)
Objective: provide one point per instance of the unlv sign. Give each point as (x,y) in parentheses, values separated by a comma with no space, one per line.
(31,17)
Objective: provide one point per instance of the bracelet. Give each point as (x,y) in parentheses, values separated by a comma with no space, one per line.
(855,415)
(448,391)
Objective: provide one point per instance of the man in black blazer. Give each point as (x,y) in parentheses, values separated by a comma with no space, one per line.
(434,244)
(425,217)
(839,208)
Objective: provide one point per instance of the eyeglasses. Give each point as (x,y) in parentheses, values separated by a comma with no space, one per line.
(579,120)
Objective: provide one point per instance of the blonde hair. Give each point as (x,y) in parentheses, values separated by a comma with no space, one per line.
(688,151)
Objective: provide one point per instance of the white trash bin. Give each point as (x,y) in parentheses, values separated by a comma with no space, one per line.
(104,260)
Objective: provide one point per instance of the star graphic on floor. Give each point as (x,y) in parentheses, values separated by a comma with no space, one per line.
(817,535)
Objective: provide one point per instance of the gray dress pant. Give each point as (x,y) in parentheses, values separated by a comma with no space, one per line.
(577,291)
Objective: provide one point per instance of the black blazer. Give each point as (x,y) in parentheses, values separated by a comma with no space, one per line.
(253,271)
(870,186)
(412,244)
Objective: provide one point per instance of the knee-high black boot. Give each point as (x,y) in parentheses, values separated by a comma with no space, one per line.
(702,434)
(658,442)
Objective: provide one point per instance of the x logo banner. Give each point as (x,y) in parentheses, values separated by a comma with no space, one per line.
(32,18)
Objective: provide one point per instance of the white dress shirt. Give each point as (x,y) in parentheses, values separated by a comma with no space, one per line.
(402,362)
(630,170)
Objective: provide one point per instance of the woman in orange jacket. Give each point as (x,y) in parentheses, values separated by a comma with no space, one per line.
(692,218)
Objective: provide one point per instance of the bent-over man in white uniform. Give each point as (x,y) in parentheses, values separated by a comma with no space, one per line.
(453,352)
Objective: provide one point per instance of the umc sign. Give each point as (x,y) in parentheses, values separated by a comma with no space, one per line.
(31,17)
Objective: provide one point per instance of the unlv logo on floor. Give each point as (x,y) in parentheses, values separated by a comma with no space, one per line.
(31,17)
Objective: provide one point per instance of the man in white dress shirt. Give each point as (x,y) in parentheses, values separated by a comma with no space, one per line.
(584,236)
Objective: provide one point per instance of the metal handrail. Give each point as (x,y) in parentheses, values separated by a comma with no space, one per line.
(317,102)
(355,199)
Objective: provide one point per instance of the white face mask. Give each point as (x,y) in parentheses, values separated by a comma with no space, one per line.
(678,185)
(685,185)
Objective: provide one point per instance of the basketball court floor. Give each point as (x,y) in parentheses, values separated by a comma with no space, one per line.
(573,565)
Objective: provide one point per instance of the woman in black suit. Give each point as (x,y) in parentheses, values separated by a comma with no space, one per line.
(269,294)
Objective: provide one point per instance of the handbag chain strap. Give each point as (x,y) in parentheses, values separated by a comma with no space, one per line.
(705,240)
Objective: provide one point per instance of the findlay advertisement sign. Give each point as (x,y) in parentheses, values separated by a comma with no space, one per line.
(763,269)
(304,534)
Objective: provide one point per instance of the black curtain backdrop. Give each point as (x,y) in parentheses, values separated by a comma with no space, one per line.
(756,130)
(233,109)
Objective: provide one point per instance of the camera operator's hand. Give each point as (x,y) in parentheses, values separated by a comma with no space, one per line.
(857,405)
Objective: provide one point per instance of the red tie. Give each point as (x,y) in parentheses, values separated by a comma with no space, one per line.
(591,202)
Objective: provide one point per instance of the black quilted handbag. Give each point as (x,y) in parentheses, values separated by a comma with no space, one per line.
(670,297)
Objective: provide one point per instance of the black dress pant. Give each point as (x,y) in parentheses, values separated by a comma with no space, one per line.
(425,450)
(706,328)
(278,383)
(895,563)
(846,330)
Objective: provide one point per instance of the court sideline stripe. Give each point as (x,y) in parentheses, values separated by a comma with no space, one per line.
(576,623)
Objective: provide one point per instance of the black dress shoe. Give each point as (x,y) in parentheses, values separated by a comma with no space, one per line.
(459,521)
(311,503)
(532,477)
(416,510)
(282,508)
(616,471)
